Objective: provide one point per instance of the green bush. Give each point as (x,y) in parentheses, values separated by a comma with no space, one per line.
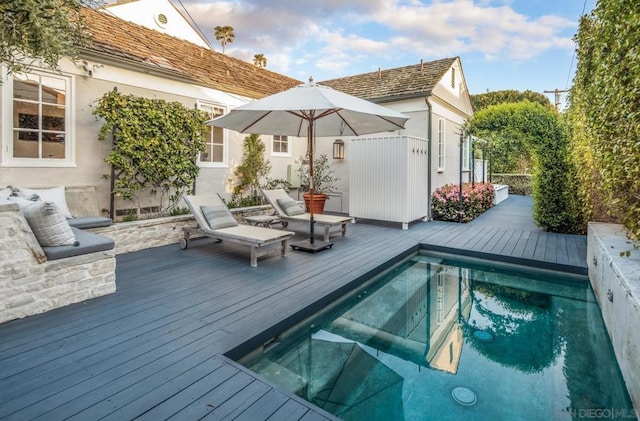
(556,206)
(518,183)
(605,112)
(476,199)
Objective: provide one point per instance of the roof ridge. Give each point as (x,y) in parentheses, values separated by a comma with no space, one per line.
(406,81)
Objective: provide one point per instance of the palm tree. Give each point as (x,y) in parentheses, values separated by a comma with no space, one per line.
(260,60)
(225,35)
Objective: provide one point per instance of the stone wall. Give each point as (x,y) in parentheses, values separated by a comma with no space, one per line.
(156,232)
(29,284)
(615,280)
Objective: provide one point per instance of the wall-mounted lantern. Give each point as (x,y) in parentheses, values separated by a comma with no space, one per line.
(338,149)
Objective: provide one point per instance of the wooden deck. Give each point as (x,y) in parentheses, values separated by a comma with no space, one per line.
(155,349)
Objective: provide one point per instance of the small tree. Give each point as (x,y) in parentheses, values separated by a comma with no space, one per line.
(251,174)
(324,178)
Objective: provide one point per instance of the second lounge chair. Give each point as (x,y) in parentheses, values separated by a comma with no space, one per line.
(280,201)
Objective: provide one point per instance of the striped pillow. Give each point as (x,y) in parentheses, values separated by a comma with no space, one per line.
(290,206)
(218,217)
(49,225)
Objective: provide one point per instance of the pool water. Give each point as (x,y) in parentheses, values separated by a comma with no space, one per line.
(440,337)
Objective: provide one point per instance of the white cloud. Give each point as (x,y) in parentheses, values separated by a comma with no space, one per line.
(341,36)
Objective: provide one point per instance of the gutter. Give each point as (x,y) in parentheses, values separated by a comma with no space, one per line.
(429,155)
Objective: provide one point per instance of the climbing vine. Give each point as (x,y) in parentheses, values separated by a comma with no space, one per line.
(605,112)
(155,145)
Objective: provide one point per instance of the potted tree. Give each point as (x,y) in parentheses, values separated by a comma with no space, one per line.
(323,182)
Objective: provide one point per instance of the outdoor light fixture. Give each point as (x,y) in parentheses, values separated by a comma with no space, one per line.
(338,149)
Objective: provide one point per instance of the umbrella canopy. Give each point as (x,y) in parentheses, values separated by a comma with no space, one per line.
(311,110)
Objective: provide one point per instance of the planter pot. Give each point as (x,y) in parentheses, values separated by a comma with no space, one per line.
(318,202)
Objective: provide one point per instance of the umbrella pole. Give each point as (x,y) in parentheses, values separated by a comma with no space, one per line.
(311,186)
(311,245)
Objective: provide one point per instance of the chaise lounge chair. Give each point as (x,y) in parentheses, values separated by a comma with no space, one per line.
(279,200)
(214,220)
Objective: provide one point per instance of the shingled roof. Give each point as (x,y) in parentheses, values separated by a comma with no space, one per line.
(417,80)
(138,45)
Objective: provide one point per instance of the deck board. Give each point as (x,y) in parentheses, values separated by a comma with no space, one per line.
(155,349)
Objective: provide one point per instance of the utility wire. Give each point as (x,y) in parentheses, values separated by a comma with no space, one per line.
(566,85)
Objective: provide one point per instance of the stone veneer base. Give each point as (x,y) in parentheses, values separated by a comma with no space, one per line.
(616,283)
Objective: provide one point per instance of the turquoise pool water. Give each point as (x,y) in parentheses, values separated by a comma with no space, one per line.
(440,337)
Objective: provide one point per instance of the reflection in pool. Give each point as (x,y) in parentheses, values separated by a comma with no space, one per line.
(441,338)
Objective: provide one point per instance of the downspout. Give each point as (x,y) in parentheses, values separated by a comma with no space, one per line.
(429,155)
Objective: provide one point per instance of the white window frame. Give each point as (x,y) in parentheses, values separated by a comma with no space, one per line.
(202,105)
(466,154)
(8,160)
(442,142)
(277,138)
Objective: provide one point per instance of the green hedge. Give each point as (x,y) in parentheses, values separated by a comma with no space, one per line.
(518,183)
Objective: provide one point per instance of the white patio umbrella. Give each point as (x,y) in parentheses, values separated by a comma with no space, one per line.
(311,110)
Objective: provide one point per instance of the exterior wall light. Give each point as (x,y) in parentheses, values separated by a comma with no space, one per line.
(338,149)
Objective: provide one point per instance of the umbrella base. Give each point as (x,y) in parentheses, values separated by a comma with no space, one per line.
(310,247)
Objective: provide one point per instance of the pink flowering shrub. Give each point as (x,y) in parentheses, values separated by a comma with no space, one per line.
(446,205)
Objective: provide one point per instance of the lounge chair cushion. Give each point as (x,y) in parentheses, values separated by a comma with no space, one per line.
(290,206)
(55,195)
(218,216)
(49,225)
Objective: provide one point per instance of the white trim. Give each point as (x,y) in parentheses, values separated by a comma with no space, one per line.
(6,134)
(287,154)
(225,137)
(442,144)
(466,154)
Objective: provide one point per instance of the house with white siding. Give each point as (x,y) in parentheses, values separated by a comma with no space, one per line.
(148,48)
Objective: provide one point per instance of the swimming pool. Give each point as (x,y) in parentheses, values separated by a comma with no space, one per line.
(448,338)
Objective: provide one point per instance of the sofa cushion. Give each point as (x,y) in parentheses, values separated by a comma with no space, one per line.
(49,225)
(290,206)
(90,222)
(218,217)
(55,195)
(88,242)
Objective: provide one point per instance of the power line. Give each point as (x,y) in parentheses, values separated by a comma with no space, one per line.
(566,85)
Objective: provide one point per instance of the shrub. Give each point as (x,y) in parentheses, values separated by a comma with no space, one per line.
(476,199)
(518,183)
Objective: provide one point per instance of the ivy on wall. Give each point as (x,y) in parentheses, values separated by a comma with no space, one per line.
(605,112)
(155,145)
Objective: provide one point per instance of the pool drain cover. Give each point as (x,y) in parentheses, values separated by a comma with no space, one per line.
(464,396)
(483,336)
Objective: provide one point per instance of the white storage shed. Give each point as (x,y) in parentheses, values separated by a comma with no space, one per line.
(388,178)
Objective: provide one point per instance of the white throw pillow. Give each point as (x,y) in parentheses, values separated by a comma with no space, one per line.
(4,195)
(23,202)
(49,225)
(55,195)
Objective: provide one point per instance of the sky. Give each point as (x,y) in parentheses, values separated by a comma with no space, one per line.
(503,44)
